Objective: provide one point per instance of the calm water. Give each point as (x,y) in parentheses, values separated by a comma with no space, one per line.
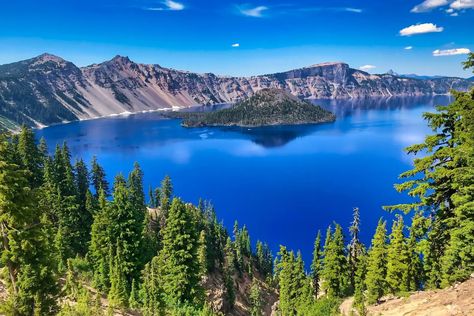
(285,182)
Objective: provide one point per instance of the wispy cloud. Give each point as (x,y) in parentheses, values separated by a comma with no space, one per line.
(355,10)
(420,29)
(462,4)
(429,5)
(168,5)
(255,12)
(451,52)
(367,67)
(408,48)
(235,45)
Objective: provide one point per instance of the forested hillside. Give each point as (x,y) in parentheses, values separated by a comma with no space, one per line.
(71,241)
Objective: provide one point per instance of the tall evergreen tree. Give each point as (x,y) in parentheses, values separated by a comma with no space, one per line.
(335,273)
(397,259)
(179,266)
(24,246)
(99,180)
(256,308)
(316,265)
(356,248)
(377,264)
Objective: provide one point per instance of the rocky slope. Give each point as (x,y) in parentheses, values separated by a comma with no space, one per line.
(47,89)
(454,300)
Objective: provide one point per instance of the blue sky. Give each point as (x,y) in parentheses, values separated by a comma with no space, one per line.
(272,35)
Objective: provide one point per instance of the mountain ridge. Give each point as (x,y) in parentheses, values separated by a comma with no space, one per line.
(48,89)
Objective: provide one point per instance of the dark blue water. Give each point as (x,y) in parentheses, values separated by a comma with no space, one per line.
(285,182)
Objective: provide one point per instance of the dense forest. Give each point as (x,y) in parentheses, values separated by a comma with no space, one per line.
(266,107)
(71,241)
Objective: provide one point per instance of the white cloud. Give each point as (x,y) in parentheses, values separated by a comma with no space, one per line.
(420,29)
(169,5)
(355,10)
(462,4)
(429,5)
(451,52)
(450,10)
(454,14)
(408,47)
(236,45)
(256,12)
(367,67)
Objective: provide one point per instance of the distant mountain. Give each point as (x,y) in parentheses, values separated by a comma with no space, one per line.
(47,89)
(415,76)
(268,106)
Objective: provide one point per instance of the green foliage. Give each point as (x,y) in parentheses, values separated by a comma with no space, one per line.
(335,273)
(397,259)
(317,265)
(266,107)
(377,264)
(25,247)
(256,304)
(179,267)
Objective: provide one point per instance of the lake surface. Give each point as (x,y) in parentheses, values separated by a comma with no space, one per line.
(283,182)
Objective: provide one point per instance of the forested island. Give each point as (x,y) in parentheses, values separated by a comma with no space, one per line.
(74,244)
(266,107)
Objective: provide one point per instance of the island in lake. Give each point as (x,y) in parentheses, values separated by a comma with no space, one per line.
(265,108)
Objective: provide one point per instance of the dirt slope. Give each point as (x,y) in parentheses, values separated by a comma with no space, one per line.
(455,300)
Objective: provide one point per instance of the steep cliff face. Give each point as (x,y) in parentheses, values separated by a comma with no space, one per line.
(47,89)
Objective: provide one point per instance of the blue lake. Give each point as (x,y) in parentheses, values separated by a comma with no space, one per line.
(284,183)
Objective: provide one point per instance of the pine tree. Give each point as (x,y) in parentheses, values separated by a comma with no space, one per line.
(30,156)
(179,267)
(229,270)
(377,264)
(99,180)
(25,251)
(166,194)
(359,302)
(119,290)
(255,299)
(85,203)
(151,290)
(202,253)
(442,181)
(397,259)
(316,265)
(335,273)
(100,244)
(356,248)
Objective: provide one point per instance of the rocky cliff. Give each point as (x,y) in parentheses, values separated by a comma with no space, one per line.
(48,89)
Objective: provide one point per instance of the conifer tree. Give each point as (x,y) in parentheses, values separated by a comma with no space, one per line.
(356,248)
(30,156)
(377,264)
(359,286)
(179,267)
(335,273)
(100,243)
(166,194)
(255,299)
(99,180)
(151,290)
(26,256)
(202,253)
(316,265)
(229,270)
(119,288)
(397,259)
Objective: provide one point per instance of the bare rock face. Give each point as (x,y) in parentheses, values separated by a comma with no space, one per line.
(48,89)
